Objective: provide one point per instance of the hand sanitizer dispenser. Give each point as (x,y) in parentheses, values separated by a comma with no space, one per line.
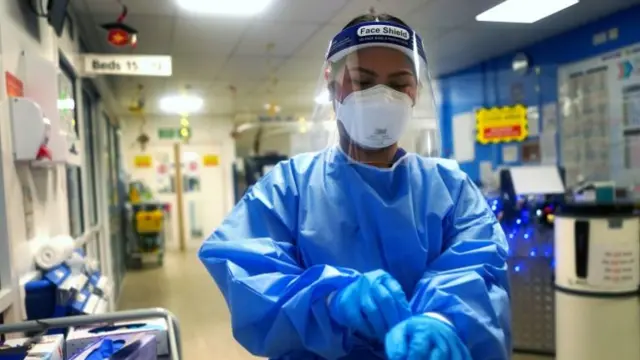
(31,130)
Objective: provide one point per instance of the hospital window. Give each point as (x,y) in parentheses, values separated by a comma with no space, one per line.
(67,108)
(89,99)
(114,174)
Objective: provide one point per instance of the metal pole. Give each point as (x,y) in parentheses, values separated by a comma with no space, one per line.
(177,158)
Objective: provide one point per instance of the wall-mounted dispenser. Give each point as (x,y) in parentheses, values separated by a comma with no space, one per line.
(36,138)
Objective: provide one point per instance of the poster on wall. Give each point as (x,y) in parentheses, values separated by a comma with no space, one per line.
(463,137)
(510,154)
(142,161)
(210,160)
(533,120)
(531,152)
(599,101)
(550,118)
(15,86)
(501,124)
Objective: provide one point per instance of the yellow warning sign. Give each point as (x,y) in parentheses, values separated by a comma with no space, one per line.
(501,124)
(142,161)
(210,160)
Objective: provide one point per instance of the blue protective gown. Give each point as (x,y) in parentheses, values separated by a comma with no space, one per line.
(316,221)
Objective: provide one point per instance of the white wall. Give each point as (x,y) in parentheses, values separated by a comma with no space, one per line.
(278,143)
(212,132)
(21,32)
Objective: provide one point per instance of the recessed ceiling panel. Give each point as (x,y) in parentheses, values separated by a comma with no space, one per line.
(249,68)
(301,69)
(398,8)
(140,7)
(281,39)
(302,11)
(208,35)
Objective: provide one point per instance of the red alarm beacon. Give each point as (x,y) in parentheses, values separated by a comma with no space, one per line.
(120,34)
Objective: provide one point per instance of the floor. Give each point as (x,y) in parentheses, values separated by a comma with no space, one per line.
(183,287)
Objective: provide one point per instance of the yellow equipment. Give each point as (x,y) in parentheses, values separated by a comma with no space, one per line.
(149,222)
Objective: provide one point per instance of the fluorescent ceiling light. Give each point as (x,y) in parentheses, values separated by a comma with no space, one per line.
(181,104)
(225,7)
(323,98)
(524,11)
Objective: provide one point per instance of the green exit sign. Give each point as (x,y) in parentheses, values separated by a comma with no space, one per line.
(174,133)
(167,133)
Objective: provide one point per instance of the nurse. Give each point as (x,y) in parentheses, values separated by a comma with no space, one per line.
(364,250)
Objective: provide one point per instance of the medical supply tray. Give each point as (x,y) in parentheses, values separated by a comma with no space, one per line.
(41,326)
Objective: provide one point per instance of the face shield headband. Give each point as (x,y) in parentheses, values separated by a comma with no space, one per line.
(365,116)
(378,33)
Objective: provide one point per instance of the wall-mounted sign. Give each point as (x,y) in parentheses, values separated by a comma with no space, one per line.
(142,161)
(628,67)
(174,133)
(167,133)
(496,125)
(127,65)
(210,160)
(15,87)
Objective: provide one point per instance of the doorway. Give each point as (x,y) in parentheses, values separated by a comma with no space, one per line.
(204,192)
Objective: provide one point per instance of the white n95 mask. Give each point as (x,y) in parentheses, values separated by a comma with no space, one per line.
(375,118)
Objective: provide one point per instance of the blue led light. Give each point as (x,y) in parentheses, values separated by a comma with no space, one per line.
(510,236)
(518,221)
(517,268)
(493,208)
(532,253)
(526,236)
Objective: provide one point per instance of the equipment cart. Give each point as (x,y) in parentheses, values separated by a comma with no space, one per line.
(146,232)
(42,326)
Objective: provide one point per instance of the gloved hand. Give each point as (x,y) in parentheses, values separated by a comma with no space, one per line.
(424,338)
(370,306)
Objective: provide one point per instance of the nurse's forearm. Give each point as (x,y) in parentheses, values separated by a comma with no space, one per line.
(276,314)
(476,307)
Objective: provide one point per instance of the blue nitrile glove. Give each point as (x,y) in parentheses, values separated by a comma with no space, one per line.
(370,306)
(423,337)
(107,348)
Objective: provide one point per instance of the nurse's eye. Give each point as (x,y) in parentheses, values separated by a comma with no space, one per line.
(399,87)
(362,84)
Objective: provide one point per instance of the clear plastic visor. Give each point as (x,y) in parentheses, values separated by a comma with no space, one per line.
(374,102)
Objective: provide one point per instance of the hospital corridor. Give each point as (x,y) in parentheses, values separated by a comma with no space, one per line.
(320,180)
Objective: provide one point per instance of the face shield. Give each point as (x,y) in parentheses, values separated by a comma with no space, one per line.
(375,96)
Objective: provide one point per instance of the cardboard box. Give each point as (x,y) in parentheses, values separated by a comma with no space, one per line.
(81,337)
(48,347)
(122,347)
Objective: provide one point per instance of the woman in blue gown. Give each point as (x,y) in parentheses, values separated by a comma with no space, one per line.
(364,250)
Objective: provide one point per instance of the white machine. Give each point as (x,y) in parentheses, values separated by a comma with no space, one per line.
(36,138)
(597,277)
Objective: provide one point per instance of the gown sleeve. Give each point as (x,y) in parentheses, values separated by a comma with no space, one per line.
(277,306)
(467,284)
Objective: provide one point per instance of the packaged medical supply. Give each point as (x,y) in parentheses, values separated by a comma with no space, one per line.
(120,347)
(49,347)
(81,337)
